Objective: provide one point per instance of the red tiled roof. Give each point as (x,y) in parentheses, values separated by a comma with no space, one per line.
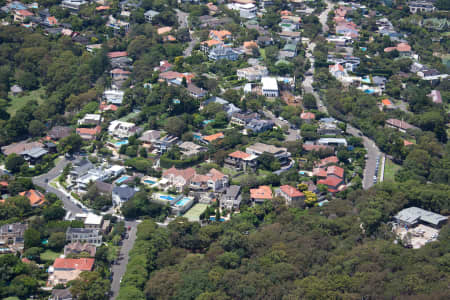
(386,102)
(407,143)
(291,191)
(335,170)
(239,154)
(319,172)
(329,160)
(187,174)
(213,137)
(36,198)
(399,123)
(52,20)
(25,13)
(164,30)
(120,71)
(330,181)
(263,192)
(220,34)
(336,66)
(89,131)
(106,107)
(116,54)
(4,183)
(308,147)
(102,7)
(403,47)
(83,264)
(307,116)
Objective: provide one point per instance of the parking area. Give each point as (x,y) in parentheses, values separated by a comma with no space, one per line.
(417,236)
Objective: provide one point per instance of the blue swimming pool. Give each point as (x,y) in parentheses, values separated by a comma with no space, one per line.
(369,91)
(166,197)
(122,179)
(149,181)
(214,218)
(182,201)
(120,143)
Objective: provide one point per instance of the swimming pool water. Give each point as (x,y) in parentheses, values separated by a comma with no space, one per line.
(182,201)
(166,197)
(120,143)
(149,181)
(122,179)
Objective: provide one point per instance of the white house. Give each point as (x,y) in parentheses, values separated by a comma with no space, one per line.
(122,129)
(269,87)
(90,119)
(113,96)
(253,73)
(246,10)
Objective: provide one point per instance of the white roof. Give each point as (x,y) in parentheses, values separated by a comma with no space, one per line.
(116,168)
(269,83)
(92,116)
(93,219)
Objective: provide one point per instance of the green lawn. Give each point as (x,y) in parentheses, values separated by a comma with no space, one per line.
(193,214)
(263,53)
(390,169)
(17,102)
(49,255)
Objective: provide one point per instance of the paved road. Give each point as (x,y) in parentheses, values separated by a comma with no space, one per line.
(43,180)
(292,135)
(324,16)
(119,269)
(372,153)
(183,21)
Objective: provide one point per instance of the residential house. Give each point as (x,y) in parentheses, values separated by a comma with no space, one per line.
(232,198)
(16,90)
(333,183)
(90,119)
(258,126)
(307,117)
(122,129)
(254,73)
(340,41)
(261,194)
(93,221)
(79,169)
(403,49)
(292,196)
(36,198)
(20,147)
(314,147)
(164,143)
(189,149)
(228,107)
(12,235)
(61,294)
(34,155)
(386,104)
(207,46)
(241,161)
(104,187)
(119,74)
(195,91)
(421,7)
(279,153)
(84,235)
(89,134)
(290,36)
(332,142)
(172,77)
(113,96)
(289,51)
(21,15)
(73,5)
(400,125)
(242,119)
(328,129)
(208,139)
(59,132)
(164,66)
(264,40)
(117,24)
(269,87)
(413,216)
(246,10)
(380,82)
(432,75)
(121,194)
(64,270)
(220,35)
(213,22)
(78,248)
(178,178)
(220,52)
(149,15)
(337,71)
(330,160)
(214,180)
(149,137)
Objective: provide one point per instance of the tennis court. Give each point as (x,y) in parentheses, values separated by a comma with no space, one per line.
(193,215)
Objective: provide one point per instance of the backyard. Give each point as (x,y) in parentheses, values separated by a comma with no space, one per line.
(17,102)
(49,255)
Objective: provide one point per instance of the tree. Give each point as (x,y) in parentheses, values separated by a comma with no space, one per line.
(57,241)
(36,128)
(70,144)
(32,238)
(14,162)
(175,126)
(54,212)
(90,286)
(310,198)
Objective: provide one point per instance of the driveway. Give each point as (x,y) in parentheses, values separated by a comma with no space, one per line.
(44,180)
(120,268)
(372,153)
(292,135)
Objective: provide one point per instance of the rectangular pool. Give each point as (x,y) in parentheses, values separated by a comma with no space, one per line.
(120,143)
(166,197)
(182,201)
(122,179)
(149,181)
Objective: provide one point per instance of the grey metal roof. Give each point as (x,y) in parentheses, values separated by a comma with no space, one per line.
(83,230)
(35,152)
(412,215)
(233,191)
(124,192)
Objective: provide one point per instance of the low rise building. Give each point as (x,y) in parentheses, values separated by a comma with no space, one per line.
(400,125)
(220,52)
(93,221)
(64,270)
(213,180)
(36,198)
(84,235)
(122,129)
(12,235)
(189,149)
(90,119)
(332,142)
(292,196)
(413,216)
(232,198)
(122,194)
(178,178)
(269,87)
(421,7)
(241,161)
(79,248)
(279,153)
(254,73)
(261,194)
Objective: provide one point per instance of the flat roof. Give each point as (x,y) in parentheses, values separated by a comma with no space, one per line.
(269,83)
(93,219)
